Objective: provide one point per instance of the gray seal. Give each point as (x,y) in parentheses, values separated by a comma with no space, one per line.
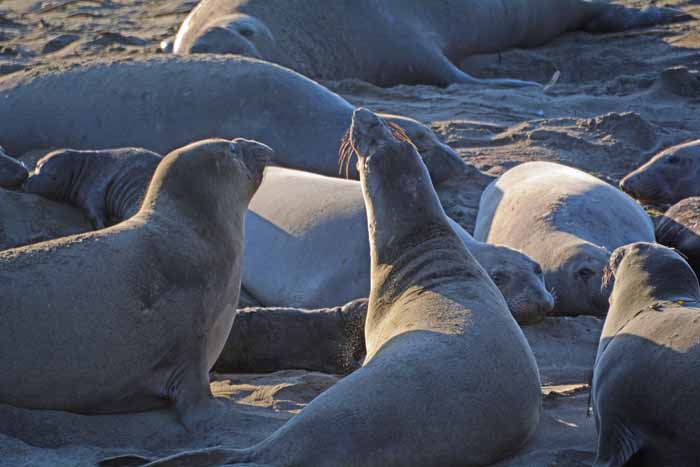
(295,216)
(566,220)
(668,177)
(138,312)
(679,228)
(390,42)
(439,337)
(108,185)
(646,369)
(162,103)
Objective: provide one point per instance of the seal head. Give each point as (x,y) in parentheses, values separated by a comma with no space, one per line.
(581,276)
(670,176)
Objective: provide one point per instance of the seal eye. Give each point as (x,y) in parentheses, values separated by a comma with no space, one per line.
(246,32)
(673,160)
(585,273)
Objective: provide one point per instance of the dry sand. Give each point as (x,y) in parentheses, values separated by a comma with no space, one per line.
(621,98)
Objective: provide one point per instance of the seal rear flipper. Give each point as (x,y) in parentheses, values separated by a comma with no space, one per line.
(617,444)
(616,18)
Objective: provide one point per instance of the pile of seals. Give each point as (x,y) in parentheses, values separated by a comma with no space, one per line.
(139,225)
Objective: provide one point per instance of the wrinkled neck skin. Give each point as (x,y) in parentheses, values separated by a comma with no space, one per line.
(413,249)
(125,192)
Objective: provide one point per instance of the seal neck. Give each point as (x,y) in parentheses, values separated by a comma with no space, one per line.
(126,192)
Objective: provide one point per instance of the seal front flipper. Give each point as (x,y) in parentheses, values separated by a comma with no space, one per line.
(617,444)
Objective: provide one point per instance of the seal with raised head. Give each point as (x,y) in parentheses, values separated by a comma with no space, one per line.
(242,97)
(138,312)
(679,228)
(390,42)
(108,185)
(645,377)
(439,337)
(668,177)
(297,215)
(566,220)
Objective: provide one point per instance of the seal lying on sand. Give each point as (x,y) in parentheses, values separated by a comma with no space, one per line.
(107,185)
(679,228)
(163,103)
(439,338)
(566,220)
(262,340)
(138,312)
(12,172)
(670,176)
(295,216)
(648,364)
(391,42)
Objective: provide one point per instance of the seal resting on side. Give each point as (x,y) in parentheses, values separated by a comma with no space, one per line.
(180,100)
(566,220)
(390,42)
(668,177)
(295,216)
(439,337)
(679,228)
(644,390)
(108,185)
(137,312)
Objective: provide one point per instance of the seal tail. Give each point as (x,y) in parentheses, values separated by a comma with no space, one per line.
(617,444)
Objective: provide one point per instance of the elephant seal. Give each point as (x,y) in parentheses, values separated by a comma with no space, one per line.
(107,185)
(149,338)
(296,215)
(679,228)
(12,172)
(670,176)
(263,340)
(648,362)
(160,103)
(566,220)
(439,338)
(390,42)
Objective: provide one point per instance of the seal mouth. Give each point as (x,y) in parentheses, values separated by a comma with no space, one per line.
(367,129)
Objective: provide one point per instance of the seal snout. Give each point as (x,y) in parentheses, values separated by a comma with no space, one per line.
(254,155)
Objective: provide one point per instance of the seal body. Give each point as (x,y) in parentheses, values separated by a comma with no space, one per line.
(644,390)
(668,177)
(566,220)
(26,218)
(163,103)
(107,185)
(295,216)
(679,228)
(391,42)
(140,311)
(439,337)
(263,340)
